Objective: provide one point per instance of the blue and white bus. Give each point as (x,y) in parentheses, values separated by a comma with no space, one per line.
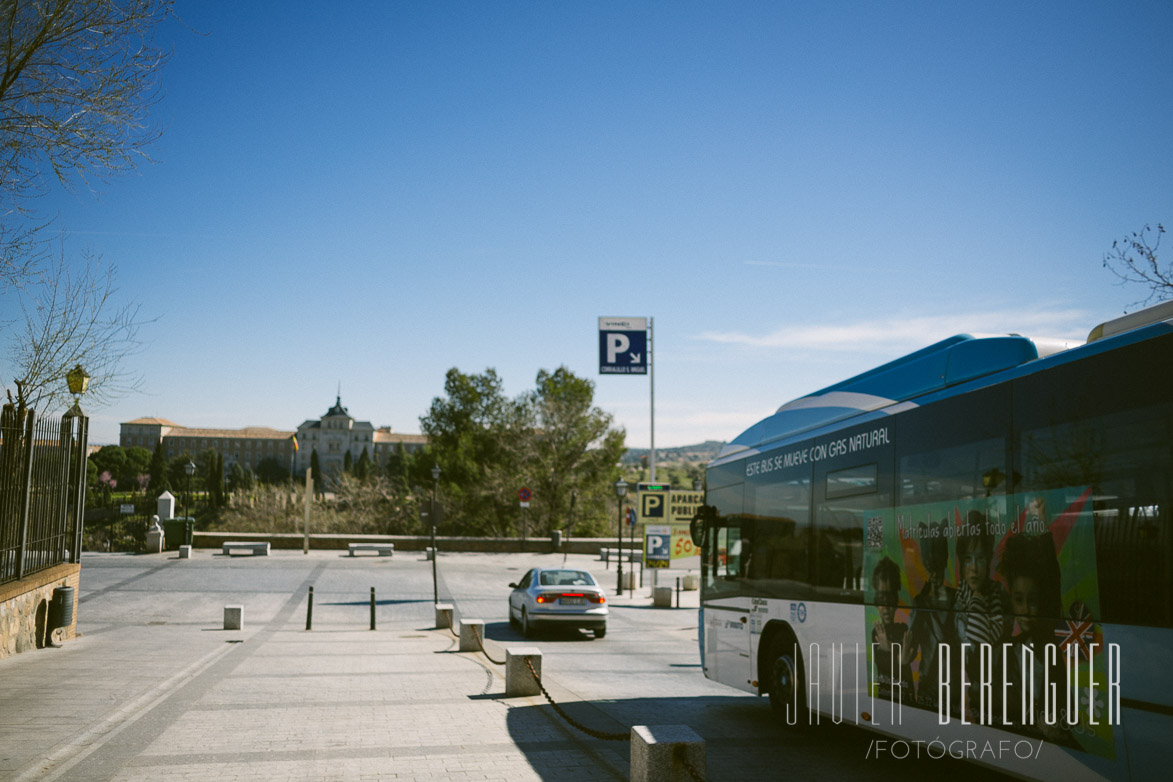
(971,545)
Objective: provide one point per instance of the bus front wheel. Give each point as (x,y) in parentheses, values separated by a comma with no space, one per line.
(785,681)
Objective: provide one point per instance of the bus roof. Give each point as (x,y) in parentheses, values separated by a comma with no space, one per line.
(891,387)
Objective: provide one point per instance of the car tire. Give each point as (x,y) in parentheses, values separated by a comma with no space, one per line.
(600,632)
(784,678)
(527,629)
(512,618)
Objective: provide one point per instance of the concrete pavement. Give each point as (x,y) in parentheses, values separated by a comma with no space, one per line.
(155,689)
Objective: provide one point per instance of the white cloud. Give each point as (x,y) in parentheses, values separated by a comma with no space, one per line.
(912,332)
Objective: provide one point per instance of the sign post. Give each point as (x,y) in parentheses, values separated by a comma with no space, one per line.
(625,348)
(524,495)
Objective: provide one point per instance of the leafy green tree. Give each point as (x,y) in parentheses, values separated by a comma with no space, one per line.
(362,468)
(159,482)
(138,464)
(111,459)
(242,477)
(316,469)
(347,463)
(270,471)
(489,446)
(476,436)
(221,488)
(573,449)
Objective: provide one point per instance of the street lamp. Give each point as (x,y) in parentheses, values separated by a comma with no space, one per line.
(620,490)
(432,517)
(78,380)
(190,469)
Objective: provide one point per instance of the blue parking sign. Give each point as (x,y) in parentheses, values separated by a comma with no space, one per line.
(623,346)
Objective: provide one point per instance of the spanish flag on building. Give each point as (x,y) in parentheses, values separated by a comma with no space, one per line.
(295,448)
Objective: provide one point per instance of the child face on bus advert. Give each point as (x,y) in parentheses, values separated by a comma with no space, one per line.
(886,598)
(975,564)
(1024,601)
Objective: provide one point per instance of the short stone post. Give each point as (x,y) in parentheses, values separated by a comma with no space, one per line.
(233,617)
(429,553)
(471,633)
(154,537)
(443,615)
(692,582)
(654,753)
(519,681)
(662,596)
(185,552)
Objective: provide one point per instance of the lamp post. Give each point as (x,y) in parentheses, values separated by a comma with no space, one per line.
(78,380)
(432,517)
(620,490)
(189,469)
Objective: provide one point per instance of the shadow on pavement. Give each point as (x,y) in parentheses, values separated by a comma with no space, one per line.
(743,743)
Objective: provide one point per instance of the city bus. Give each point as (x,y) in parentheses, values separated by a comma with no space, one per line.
(968,549)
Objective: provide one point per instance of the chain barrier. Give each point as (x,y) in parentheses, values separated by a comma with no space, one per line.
(681,754)
(598,734)
(484,651)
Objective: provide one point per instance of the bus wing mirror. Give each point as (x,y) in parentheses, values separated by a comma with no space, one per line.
(704,518)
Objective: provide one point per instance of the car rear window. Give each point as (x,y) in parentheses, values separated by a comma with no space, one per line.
(565,578)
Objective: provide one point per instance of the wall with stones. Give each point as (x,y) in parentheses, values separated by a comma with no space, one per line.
(24,609)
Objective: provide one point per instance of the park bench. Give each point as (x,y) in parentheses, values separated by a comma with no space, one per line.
(383,549)
(630,555)
(256,549)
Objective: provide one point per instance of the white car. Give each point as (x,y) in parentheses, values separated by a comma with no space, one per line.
(558,596)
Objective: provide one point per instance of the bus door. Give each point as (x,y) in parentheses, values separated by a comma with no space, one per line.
(852,488)
(726,607)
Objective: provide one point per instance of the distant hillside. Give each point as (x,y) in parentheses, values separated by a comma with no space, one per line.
(700,453)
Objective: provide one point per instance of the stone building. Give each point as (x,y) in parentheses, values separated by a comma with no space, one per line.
(338,433)
(333,435)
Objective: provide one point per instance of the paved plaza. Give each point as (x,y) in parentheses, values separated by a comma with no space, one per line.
(156,689)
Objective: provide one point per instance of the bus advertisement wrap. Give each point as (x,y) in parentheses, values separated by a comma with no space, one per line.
(990,605)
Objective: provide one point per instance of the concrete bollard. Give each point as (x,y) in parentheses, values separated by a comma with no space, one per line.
(653,753)
(185,552)
(471,633)
(662,596)
(154,542)
(692,582)
(629,580)
(429,553)
(443,615)
(519,681)
(233,617)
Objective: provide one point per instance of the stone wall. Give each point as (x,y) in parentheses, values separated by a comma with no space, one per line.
(24,609)
(293,540)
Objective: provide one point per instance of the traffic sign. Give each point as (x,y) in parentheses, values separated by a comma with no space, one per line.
(524,494)
(623,346)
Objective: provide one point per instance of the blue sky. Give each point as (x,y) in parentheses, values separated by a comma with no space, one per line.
(372,193)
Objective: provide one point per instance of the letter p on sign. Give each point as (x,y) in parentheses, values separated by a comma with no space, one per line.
(616,344)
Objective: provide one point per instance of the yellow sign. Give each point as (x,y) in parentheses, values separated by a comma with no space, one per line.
(653,507)
(682,505)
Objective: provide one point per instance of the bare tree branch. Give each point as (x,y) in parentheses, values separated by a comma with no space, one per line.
(71,317)
(1134,260)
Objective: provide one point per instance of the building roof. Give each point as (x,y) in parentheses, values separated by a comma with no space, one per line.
(388,437)
(251,432)
(337,409)
(152,421)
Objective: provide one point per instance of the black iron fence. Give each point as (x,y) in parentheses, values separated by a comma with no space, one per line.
(42,490)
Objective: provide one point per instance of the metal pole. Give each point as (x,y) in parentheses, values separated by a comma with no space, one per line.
(373,606)
(652,385)
(435,585)
(619,591)
(309,611)
(309,498)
